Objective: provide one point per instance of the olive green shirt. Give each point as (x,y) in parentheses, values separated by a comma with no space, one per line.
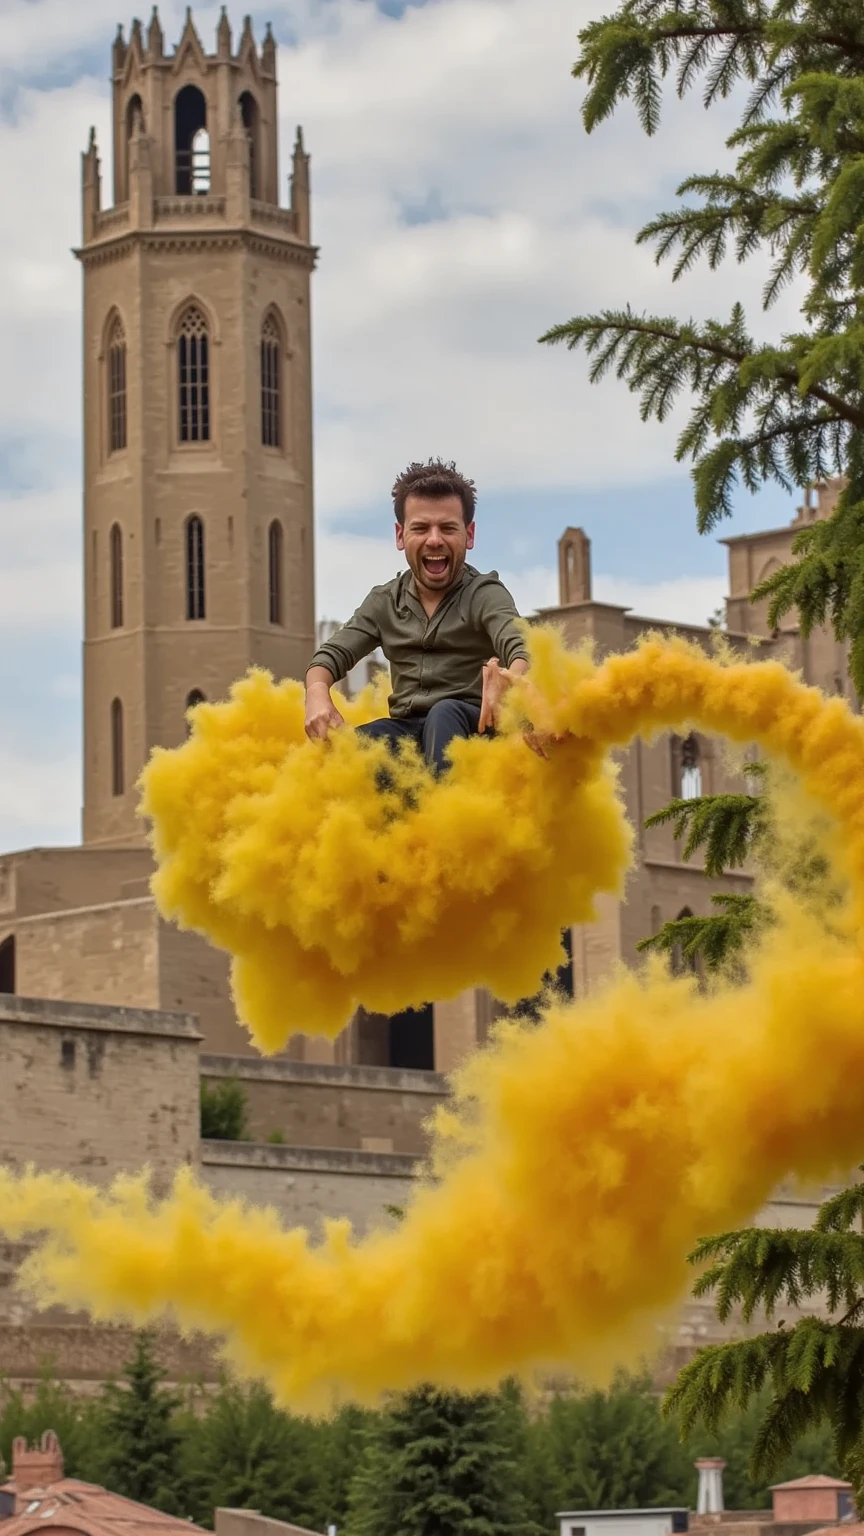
(430,659)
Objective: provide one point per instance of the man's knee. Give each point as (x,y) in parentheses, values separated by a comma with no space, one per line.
(447,721)
(455,717)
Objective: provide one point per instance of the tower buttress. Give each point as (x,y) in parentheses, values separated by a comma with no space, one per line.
(198,493)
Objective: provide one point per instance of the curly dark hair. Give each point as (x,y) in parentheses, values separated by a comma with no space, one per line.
(434,480)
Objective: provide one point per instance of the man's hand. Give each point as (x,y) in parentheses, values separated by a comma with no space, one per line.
(322,716)
(496,681)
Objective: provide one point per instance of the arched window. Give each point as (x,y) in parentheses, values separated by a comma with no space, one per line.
(118,771)
(117,387)
(682,964)
(116,549)
(686,767)
(195,593)
(271,391)
(691,771)
(193,699)
(191,153)
(251,119)
(134,109)
(134,117)
(7,965)
(274,571)
(193,363)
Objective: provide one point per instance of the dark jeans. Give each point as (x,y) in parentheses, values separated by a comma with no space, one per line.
(433,733)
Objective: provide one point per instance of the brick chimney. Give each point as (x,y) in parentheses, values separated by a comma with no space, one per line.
(39,1467)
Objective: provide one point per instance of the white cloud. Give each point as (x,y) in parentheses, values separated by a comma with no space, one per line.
(681,600)
(40,799)
(40,577)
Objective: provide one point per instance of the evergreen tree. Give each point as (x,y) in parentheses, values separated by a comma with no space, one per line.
(809,1377)
(342,1445)
(141,1436)
(790,411)
(813,1451)
(439,1464)
(245,1453)
(613,1450)
(812,1372)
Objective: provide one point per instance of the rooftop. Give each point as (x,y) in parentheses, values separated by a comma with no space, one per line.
(70,1505)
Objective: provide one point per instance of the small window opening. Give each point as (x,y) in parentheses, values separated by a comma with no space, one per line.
(118,772)
(193,361)
(191,143)
(691,770)
(116,544)
(195,573)
(251,122)
(117,388)
(271,406)
(274,562)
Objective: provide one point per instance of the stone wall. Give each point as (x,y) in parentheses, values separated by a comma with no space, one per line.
(106,955)
(95,1091)
(55,879)
(305,1185)
(372,1109)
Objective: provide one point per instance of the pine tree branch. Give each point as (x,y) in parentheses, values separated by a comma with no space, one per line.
(589,330)
(726,826)
(716,939)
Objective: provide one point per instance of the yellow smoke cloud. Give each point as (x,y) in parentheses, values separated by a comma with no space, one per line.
(328,894)
(581,1159)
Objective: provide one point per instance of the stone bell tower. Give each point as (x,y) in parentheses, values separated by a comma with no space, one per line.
(198,552)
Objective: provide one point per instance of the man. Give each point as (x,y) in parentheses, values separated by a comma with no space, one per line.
(443,627)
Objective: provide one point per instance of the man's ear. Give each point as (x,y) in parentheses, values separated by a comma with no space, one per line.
(469,536)
(400,536)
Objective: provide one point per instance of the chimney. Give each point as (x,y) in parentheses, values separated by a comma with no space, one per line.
(710,1500)
(574,567)
(38,1468)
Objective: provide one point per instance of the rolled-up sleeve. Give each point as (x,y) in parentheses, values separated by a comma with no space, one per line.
(356,639)
(496,612)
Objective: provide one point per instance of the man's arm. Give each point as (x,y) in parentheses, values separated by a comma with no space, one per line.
(322,716)
(334,660)
(497,614)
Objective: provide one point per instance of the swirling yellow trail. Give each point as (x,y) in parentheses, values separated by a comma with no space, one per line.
(581,1159)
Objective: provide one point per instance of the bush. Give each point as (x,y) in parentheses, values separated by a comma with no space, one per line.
(224,1111)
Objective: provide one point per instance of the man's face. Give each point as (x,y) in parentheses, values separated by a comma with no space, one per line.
(435,540)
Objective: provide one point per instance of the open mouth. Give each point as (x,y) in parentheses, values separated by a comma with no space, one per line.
(436,565)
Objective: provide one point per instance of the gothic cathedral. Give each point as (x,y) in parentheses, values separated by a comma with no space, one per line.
(198,525)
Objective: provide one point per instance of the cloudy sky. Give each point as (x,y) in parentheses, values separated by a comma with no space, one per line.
(461,210)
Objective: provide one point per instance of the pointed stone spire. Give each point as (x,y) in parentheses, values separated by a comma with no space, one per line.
(223,35)
(300,200)
(136,41)
(268,52)
(119,50)
(189,34)
(155,37)
(247,40)
(91,188)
